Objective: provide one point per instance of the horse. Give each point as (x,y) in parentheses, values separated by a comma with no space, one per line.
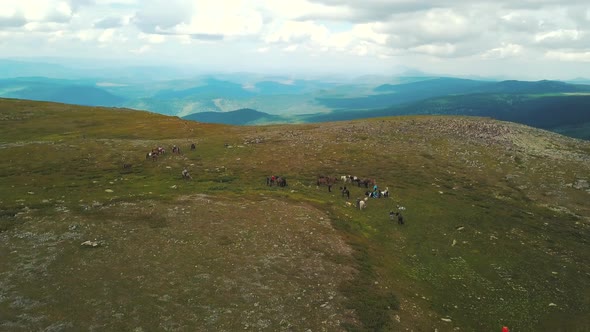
(152,155)
(186,175)
(362,205)
(385,193)
(345,192)
(193,146)
(125,166)
(345,178)
(278,180)
(281,181)
(327,181)
(366,182)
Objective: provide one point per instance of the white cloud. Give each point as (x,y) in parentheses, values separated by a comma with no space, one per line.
(504,51)
(377,33)
(574,56)
(39,10)
(290,48)
(152,38)
(440,50)
(141,50)
(86,35)
(295,31)
(227,18)
(558,35)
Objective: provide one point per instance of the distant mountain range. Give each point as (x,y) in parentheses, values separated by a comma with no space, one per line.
(550,105)
(243,116)
(79,93)
(256,100)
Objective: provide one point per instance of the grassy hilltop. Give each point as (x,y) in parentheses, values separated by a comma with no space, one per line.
(496,233)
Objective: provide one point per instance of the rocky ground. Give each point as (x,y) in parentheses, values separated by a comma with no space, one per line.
(196,263)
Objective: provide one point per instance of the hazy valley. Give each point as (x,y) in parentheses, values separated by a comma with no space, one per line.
(255,99)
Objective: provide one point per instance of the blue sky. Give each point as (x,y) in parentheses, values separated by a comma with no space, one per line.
(513,39)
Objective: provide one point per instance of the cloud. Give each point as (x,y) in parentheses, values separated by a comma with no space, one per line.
(438,49)
(12,19)
(569,56)
(141,50)
(109,22)
(503,51)
(38,14)
(203,20)
(158,16)
(373,33)
(563,38)
(206,37)
(295,31)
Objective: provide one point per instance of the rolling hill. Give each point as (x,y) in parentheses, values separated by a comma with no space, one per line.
(81,92)
(95,236)
(244,116)
(551,112)
(390,95)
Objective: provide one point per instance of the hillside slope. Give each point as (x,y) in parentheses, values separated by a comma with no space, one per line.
(496,224)
(552,112)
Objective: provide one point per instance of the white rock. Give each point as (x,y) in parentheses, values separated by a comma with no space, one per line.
(109,190)
(448,320)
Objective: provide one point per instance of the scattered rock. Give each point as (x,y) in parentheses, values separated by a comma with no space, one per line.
(92,244)
(581,184)
(552,304)
(460,228)
(448,320)
(109,190)
(73,227)
(454,243)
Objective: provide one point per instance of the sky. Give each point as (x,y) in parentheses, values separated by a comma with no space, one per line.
(526,39)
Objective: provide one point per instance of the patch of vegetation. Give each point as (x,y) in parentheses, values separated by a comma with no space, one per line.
(496,224)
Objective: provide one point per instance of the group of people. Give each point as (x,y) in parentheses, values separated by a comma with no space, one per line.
(280,181)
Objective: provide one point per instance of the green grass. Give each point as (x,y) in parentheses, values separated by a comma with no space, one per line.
(493,235)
